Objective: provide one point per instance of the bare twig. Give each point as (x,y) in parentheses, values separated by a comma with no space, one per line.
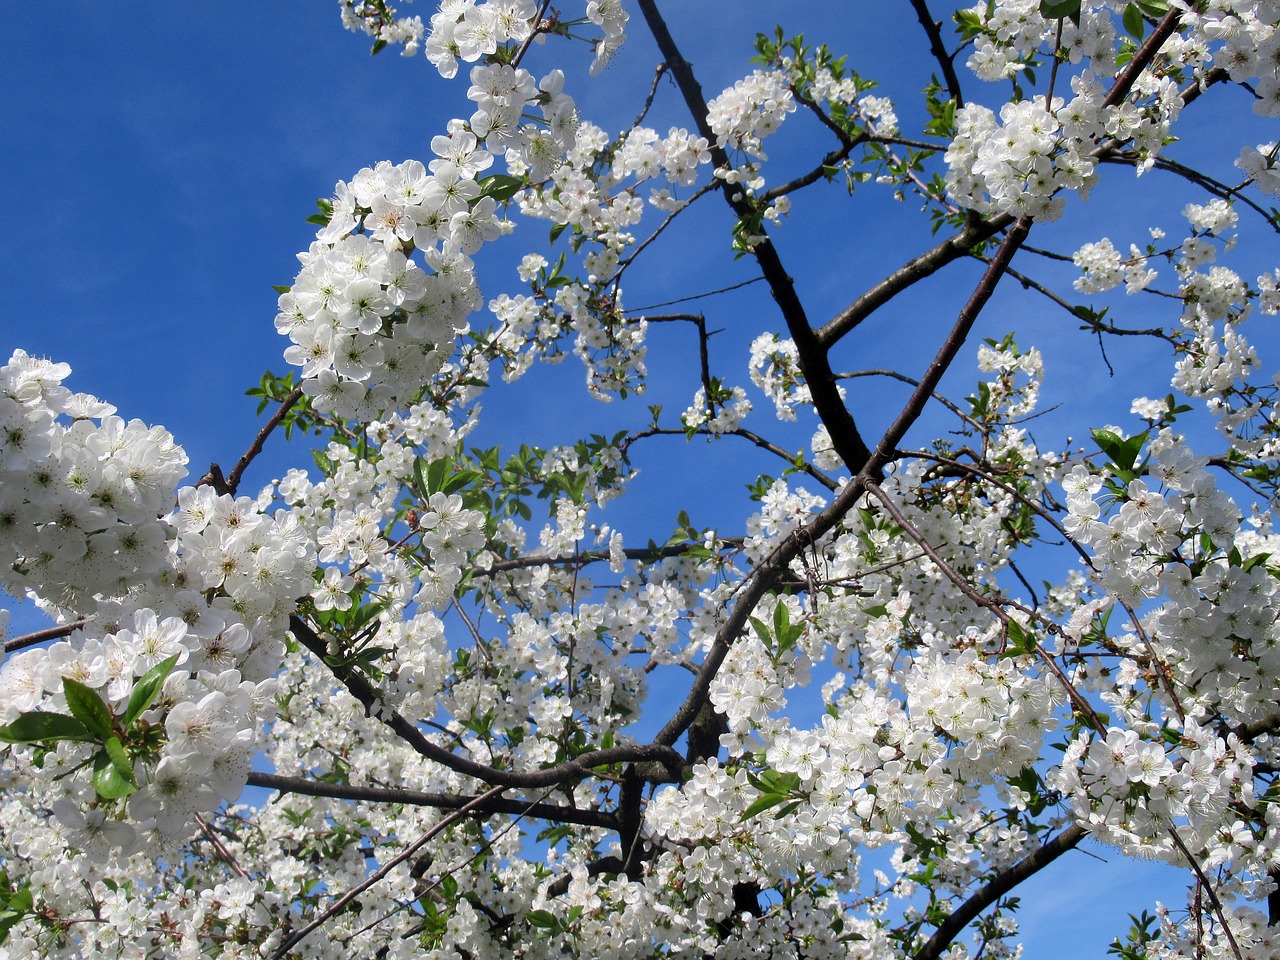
(571,770)
(341,902)
(232,482)
(447,801)
(40,636)
(997,887)
(696,296)
(946,61)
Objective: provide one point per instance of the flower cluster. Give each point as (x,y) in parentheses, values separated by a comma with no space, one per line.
(1020,163)
(81,500)
(752,110)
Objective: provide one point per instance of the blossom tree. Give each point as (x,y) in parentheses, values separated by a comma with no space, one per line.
(494,723)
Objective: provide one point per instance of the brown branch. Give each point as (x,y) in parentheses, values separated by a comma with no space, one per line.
(946,62)
(219,847)
(622,267)
(951,346)
(580,559)
(911,381)
(696,296)
(808,468)
(232,482)
(653,91)
(1214,902)
(341,902)
(845,438)
(704,357)
(1202,180)
(574,769)
(533,34)
(752,590)
(910,273)
(1142,57)
(446,801)
(997,887)
(40,636)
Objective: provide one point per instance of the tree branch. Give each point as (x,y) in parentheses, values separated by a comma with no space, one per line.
(951,346)
(341,902)
(946,62)
(574,769)
(808,468)
(447,801)
(996,888)
(232,482)
(845,438)
(40,636)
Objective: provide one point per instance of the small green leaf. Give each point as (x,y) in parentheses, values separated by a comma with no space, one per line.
(1123,453)
(87,707)
(38,726)
(500,186)
(544,918)
(1020,642)
(120,760)
(145,690)
(1060,9)
(762,804)
(107,779)
(761,630)
(1134,23)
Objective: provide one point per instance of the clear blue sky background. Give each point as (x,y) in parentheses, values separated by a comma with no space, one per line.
(160,162)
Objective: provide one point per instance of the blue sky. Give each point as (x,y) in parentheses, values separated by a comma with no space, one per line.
(162,160)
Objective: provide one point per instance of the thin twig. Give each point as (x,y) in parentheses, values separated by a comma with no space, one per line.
(648,101)
(341,903)
(537,28)
(571,770)
(40,636)
(912,381)
(223,853)
(338,791)
(696,296)
(232,482)
(946,61)
(1214,902)
(806,468)
(997,887)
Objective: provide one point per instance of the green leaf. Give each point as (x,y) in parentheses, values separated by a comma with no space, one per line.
(87,707)
(145,690)
(557,230)
(1134,23)
(107,780)
(544,918)
(120,760)
(1020,643)
(38,726)
(1060,9)
(781,620)
(500,186)
(1123,453)
(1253,561)
(378,46)
(319,219)
(761,630)
(281,288)
(762,804)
